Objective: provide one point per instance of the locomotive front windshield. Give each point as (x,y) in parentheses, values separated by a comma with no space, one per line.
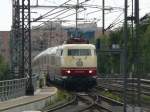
(79,52)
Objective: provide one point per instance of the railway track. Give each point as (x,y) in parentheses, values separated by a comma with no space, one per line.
(87,102)
(105,103)
(92,101)
(115,88)
(116,84)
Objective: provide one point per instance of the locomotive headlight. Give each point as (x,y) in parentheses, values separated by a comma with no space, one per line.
(68,71)
(90,71)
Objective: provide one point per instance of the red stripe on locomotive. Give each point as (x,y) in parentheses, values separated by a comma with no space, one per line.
(78,71)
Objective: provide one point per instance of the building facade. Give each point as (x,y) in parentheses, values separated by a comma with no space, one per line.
(49,35)
(4,45)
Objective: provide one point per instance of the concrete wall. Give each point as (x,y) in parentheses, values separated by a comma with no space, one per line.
(36,105)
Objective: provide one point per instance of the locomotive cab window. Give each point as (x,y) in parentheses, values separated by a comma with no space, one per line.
(85,52)
(79,52)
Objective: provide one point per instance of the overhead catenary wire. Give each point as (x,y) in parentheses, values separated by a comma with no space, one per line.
(99,11)
(43,16)
(59,18)
(115,22)
(118,17)
(58,12)
(46,14)
(37,19)
(86,5)
(64,11)
(100,7)
(72,14)
(56,8)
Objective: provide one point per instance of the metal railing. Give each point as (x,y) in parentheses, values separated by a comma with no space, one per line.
(14,88)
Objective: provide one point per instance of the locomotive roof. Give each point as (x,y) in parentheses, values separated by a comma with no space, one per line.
(52,50)
(89,46)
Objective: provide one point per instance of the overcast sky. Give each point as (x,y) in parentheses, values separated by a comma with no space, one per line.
(6,11)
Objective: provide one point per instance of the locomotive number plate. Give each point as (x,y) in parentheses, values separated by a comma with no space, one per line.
(79,63)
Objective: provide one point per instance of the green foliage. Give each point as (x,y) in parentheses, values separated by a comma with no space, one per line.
(104,42)
(146,99)
(92,41)
(61,98)
(146,49)
(3,69)
(41,83)
(110,62)
(102,58)
(112,96)
(116,37)
(62,95)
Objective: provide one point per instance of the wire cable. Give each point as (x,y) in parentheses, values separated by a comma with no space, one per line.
(72,14)
(44,15)
(64,11)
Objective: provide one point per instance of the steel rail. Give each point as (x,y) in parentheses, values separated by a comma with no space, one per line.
(117,84)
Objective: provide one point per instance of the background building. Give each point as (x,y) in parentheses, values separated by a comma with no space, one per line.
(49,35)
(4,44)
(85,30)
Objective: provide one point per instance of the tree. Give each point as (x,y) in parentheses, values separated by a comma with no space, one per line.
(4,69)
(146,50)
(104,58)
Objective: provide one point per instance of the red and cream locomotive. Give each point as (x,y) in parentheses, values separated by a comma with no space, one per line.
(73,64)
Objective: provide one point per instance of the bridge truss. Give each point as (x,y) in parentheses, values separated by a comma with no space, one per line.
(21,42)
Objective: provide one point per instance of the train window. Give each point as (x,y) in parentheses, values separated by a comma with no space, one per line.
(85,52)
(73,52)
(79,52)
